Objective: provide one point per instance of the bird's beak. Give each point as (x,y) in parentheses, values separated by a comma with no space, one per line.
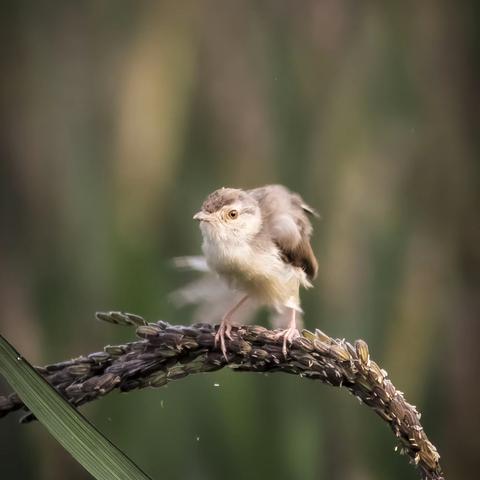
(201,216)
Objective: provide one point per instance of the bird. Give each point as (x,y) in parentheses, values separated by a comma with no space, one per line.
(258,242)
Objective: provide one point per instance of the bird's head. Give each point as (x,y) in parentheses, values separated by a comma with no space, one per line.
(229,215)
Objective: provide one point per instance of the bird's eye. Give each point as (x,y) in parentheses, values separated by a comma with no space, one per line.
(233,214)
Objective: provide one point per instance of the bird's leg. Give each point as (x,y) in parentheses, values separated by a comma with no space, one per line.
(290,333)
(225,327)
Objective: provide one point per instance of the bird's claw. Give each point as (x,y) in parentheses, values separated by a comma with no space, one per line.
(288,336)
(224,330)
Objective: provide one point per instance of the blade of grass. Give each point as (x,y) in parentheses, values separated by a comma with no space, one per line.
(74,432)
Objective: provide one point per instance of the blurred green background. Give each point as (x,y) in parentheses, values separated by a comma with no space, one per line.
(118,118)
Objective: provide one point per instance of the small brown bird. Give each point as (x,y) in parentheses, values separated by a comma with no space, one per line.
(258,241)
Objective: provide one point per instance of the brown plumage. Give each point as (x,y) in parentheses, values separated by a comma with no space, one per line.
(223,197)
(285,221)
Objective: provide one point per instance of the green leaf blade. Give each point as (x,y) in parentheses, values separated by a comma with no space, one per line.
(102,459)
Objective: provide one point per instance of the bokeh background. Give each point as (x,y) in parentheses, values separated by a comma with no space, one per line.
(118,117)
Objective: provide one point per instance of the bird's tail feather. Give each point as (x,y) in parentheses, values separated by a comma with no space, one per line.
(211,296)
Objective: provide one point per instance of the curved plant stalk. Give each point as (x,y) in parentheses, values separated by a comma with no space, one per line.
(167,352)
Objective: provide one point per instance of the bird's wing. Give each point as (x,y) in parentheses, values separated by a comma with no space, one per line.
(286,222)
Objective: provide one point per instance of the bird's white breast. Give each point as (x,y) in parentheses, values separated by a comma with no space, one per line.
(261,273)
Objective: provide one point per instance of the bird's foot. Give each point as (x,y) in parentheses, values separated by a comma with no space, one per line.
(288,336)
(224,330)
